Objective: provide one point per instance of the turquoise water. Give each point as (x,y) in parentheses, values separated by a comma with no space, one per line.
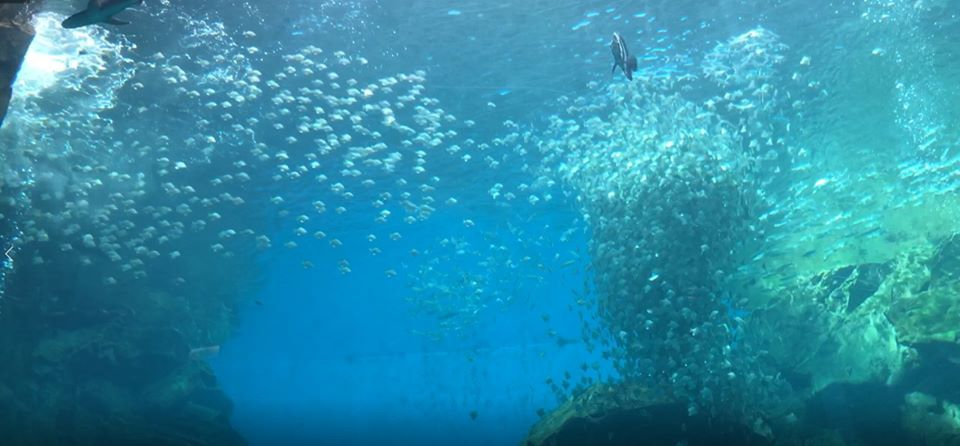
(384,222)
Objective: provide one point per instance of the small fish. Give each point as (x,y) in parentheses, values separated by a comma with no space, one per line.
(563,342)
(201,353)
(622,57)
(870,232)
(100,11)
(448,315)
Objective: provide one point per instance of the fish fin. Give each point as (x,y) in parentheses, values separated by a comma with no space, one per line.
(632,63)
(115,21)
(93,4)
(614,69)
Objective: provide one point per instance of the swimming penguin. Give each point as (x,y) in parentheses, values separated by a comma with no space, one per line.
(622,57)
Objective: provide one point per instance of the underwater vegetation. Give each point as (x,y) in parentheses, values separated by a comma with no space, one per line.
(757,217)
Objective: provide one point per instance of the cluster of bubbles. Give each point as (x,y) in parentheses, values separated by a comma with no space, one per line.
(671,175)
(905,46)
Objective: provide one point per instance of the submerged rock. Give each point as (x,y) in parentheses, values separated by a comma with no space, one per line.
(16,33)
(838,415)
(655,425)
(628,414)
(925,297)
(944,264)
(871,352)
(123,379)
(831,328)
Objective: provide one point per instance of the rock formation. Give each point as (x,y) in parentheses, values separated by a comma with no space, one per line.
(16,33)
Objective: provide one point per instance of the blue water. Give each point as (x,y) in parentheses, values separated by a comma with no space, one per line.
(331,358)
(384,222)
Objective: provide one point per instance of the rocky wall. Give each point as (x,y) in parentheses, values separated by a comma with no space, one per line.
(85,363)
(16,33)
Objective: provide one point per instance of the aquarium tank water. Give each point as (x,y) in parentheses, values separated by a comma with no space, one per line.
(512,222)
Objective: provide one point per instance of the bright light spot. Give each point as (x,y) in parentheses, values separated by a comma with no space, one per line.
(56,53)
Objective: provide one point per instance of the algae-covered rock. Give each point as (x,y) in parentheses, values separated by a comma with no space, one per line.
(626,414)
(194,384)
(922,293)
(925,297)
(58,347)
(930,315)
(133,358)
(848,287)
(104,397)
(944,264)
(169,392)
(831,329)
(114,380)
(595,401)
(935,420)
(861,349)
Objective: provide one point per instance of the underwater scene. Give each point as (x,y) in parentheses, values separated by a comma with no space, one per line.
(466,222)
